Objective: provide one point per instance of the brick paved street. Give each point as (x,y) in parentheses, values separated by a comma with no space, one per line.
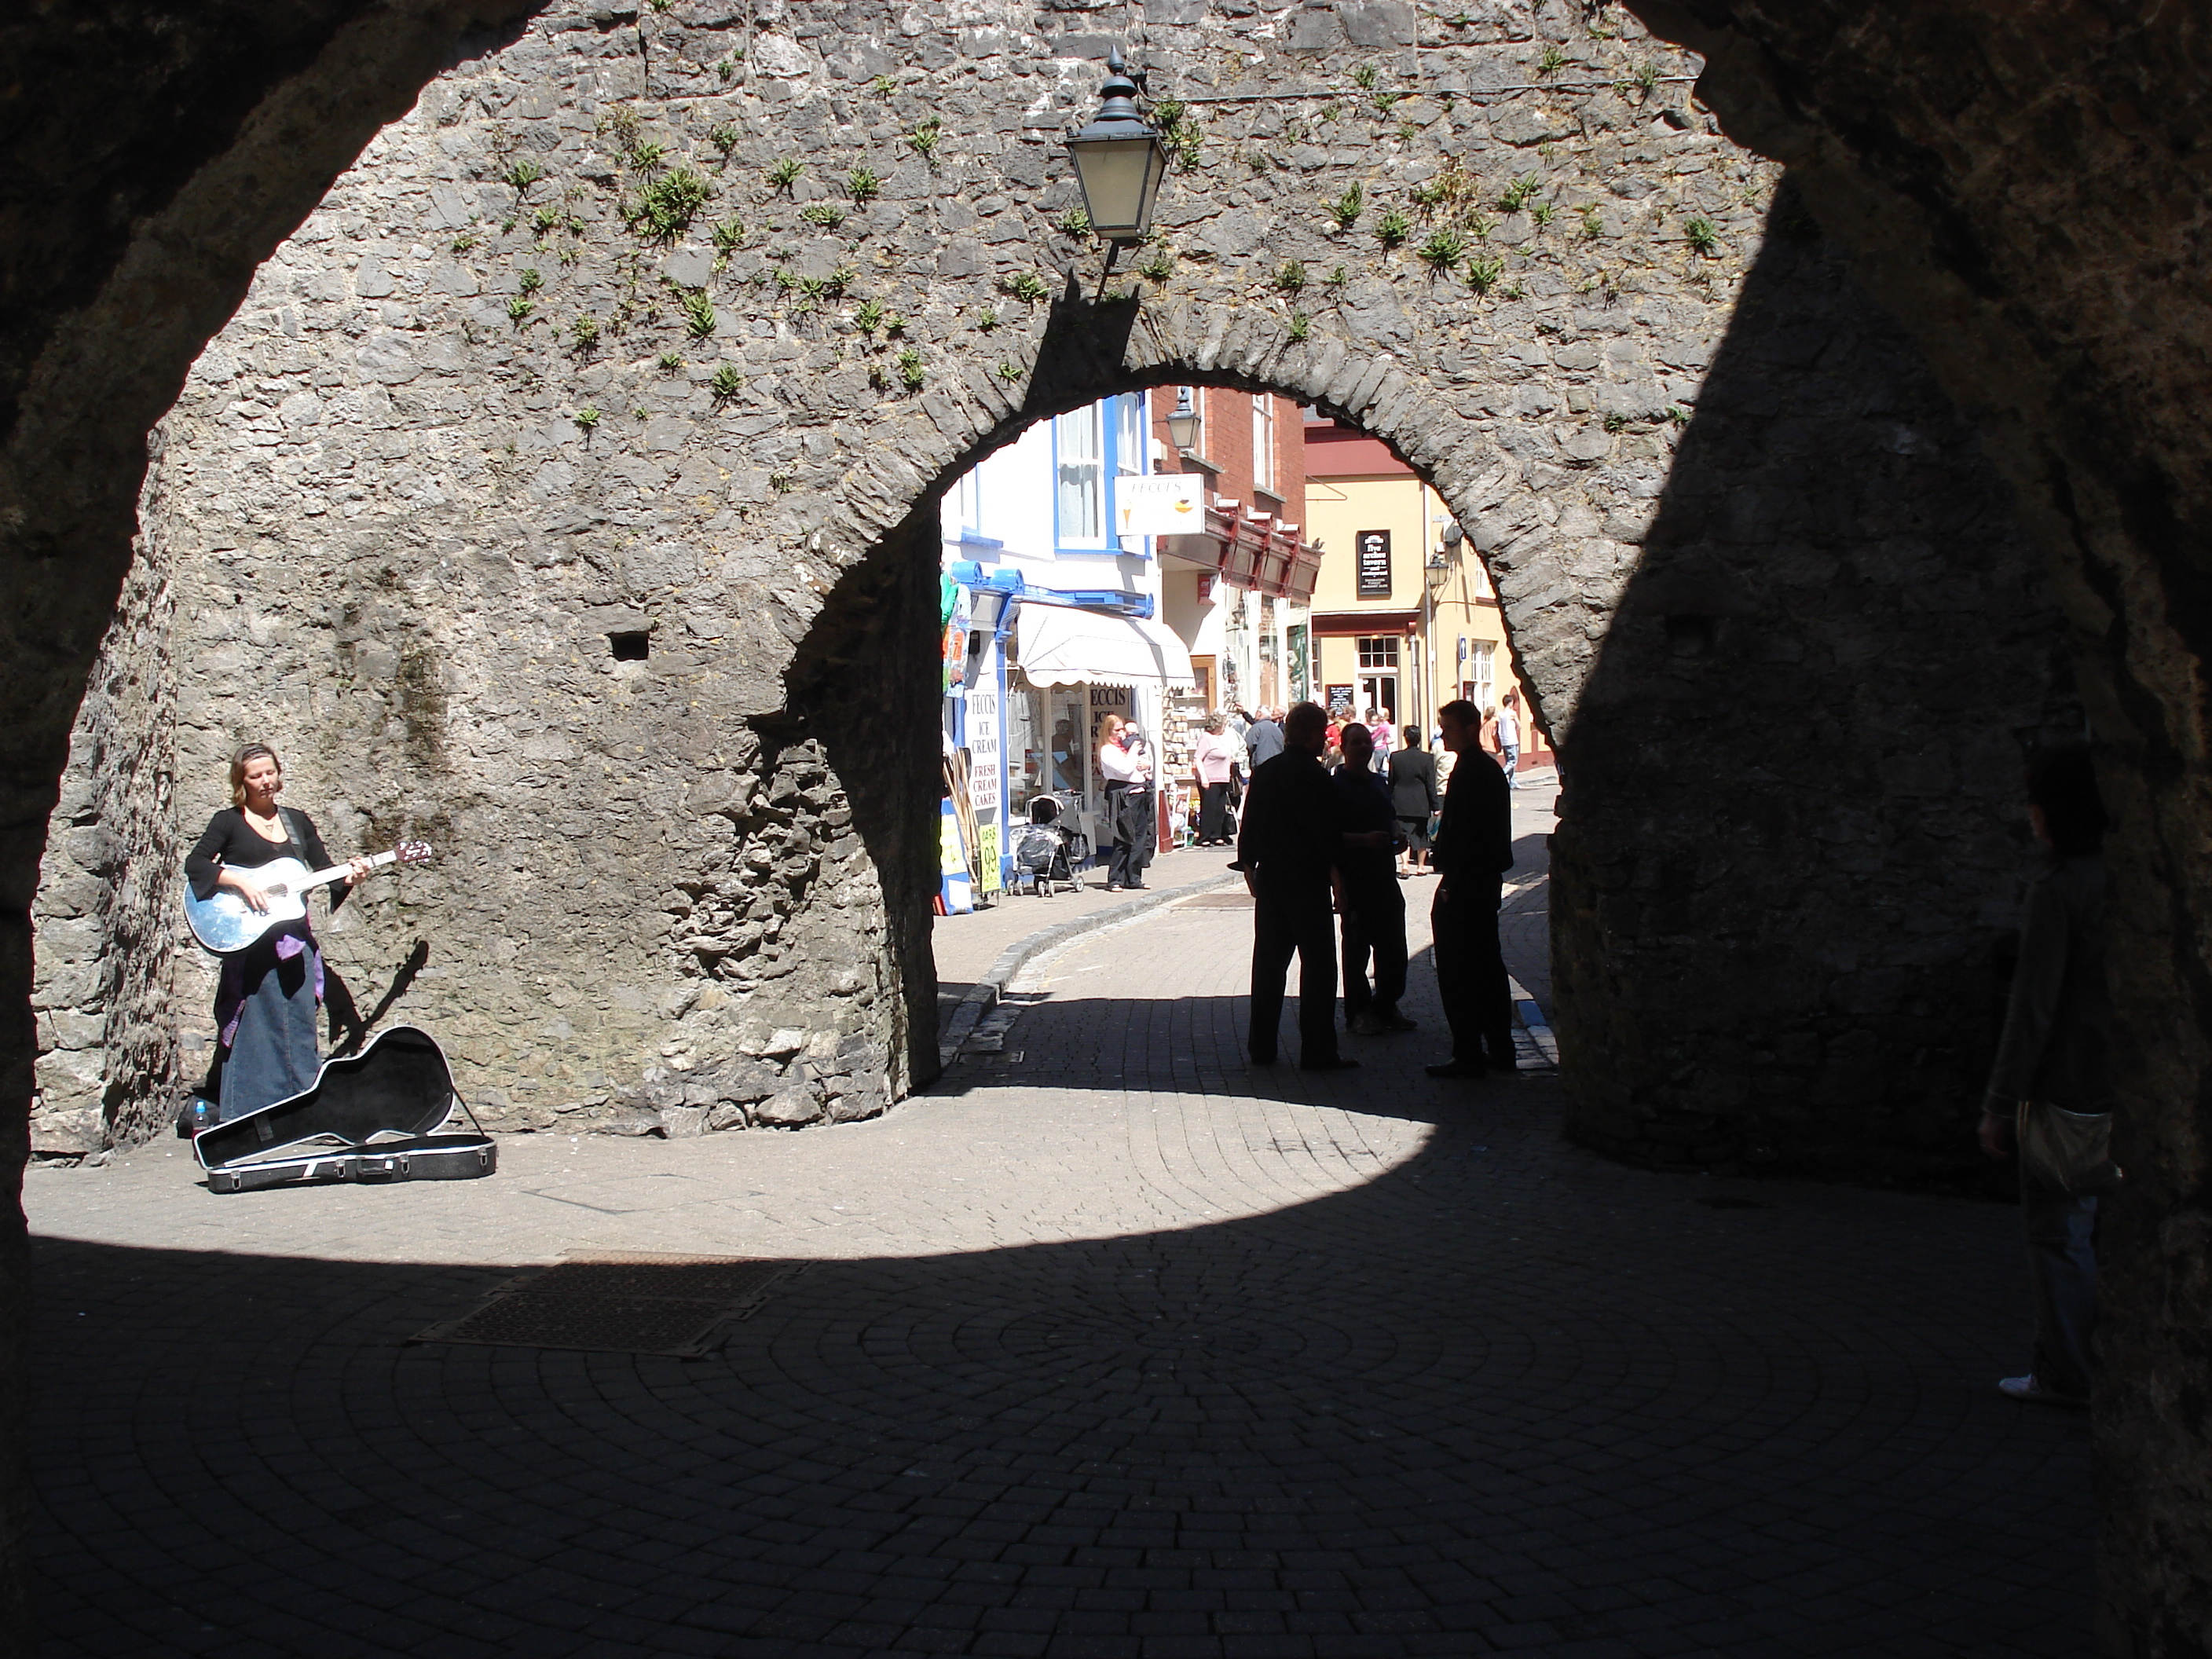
(1111,1347)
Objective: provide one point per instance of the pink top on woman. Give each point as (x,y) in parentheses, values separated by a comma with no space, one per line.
(1216,753)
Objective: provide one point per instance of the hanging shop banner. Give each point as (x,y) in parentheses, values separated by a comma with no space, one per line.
(1160,504)
(955,893)
(986,777)
(1374,548)
(955,607)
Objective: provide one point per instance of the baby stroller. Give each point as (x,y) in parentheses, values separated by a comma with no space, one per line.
(1046,850)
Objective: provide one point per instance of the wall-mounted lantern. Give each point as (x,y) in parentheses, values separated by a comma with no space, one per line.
(1182,424)
(1440,561)
(1120,160)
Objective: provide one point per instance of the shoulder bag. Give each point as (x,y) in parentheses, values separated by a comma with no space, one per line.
(2063,1151)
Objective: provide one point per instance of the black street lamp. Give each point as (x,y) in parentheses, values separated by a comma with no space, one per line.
(1120,160)
(1439,567)
(1182,424)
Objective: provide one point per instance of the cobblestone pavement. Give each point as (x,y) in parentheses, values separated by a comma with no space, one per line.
(1110,1347)
(966,946)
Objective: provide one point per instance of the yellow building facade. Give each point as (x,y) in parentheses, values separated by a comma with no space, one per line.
(1404,618)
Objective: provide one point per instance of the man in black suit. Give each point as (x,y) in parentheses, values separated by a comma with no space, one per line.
(1288,846)
(1374,904)
(1474,849)
(1413,772)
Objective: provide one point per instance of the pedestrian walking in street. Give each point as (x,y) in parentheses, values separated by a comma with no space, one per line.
(1373,905)
(1125,763)
(1264,741)
(1414,798)
(1380,729)
(1288,848)
(2050,1088)
(1509,739)
(1213,769)
(1472,851)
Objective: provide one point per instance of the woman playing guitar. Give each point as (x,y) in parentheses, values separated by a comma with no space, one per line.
(265,1003)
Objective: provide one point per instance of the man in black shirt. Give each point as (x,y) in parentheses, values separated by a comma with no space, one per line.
(1474,849)
(1374,904)
(1287,846)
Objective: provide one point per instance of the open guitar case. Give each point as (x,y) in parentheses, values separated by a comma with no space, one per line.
(398,1086)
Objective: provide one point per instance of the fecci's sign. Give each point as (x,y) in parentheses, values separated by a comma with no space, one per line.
(1160,504)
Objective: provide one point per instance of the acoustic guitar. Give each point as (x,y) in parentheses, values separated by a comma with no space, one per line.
(226,924)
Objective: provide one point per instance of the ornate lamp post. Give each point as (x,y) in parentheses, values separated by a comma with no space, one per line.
(1120,160)
(1182,425)
(1438,568)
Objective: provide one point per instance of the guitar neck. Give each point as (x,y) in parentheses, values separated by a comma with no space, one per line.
(340,872)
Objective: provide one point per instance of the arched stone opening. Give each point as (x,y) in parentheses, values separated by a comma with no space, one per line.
(2113,417)
(510,398)
(402,545)
(787,951)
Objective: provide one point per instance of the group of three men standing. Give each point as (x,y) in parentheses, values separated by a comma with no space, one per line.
(1309,842)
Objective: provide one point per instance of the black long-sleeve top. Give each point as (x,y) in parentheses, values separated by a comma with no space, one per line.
(1362,807)
(2058,1023)
(1288,838)
(229,840)
(1475,833)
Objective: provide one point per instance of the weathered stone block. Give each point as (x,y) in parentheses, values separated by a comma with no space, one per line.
(788,1108)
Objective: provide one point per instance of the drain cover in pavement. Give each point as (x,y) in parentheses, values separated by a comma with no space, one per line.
(1229,901)
(620,1302)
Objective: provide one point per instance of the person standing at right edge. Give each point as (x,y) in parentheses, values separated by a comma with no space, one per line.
(1509,739)
(1287,847)
(1473,850)
(2057,1034)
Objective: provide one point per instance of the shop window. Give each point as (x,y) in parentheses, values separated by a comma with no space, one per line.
(1079,498)
(1263,442)
(1129,435)
(968,499)
(1378,651)
(1480,678)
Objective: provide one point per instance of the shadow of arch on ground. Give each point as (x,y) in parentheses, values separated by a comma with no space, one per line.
(1504,1393)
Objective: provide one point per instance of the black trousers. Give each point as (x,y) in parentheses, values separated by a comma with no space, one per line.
(1128,809)
(1284,925)
(1471,968)
(1374,927)
(1213,809)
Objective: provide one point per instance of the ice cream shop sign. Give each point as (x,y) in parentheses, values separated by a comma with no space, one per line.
(1160,504)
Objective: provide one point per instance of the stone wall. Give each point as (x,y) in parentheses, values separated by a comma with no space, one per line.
(108,892)
(1786,880)
(2027,191)
(665,327)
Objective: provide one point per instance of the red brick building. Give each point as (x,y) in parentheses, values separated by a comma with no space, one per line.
(1237,591)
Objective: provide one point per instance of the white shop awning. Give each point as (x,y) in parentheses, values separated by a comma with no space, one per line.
(1061,645)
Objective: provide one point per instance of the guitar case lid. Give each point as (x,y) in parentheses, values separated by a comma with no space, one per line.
(398,1085)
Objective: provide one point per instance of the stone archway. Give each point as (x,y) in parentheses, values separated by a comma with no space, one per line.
(1959,235)
(620,333)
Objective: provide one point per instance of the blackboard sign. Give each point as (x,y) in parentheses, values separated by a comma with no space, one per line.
(1374,547)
